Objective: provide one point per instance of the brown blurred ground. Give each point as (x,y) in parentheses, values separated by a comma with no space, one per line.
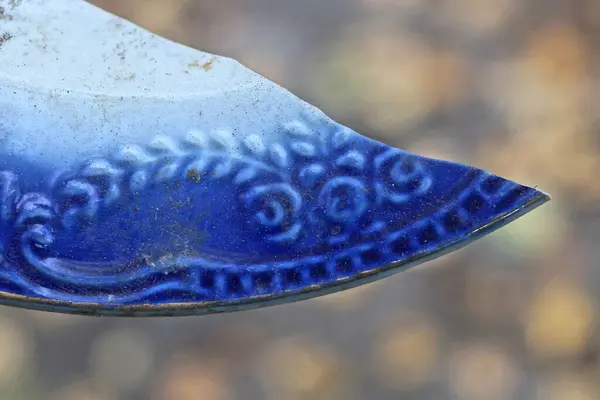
(511,86)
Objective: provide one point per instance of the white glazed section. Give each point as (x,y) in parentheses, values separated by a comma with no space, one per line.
(77,82)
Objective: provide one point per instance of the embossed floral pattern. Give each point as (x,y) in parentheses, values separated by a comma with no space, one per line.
(276,207)
(400,177)
(344,199)
(317,203)
(296,168)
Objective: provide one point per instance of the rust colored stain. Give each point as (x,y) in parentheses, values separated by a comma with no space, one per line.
(207,66)
(193,175)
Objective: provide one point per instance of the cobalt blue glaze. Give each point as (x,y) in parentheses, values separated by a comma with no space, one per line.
(186,203)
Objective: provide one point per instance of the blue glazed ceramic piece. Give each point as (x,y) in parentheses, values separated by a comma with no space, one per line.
(141,177)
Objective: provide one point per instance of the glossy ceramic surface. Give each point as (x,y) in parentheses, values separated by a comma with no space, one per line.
(142,177)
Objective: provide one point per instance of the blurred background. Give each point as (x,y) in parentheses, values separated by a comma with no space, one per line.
(511,86)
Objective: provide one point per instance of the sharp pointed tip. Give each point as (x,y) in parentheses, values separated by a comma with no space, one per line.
(545,197)
(540,197)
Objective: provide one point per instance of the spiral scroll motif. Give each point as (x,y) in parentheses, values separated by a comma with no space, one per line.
(23,217)
(275,207)
(344,199)
(311,209)
(400,177)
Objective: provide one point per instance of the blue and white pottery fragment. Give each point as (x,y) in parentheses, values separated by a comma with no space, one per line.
(142,177)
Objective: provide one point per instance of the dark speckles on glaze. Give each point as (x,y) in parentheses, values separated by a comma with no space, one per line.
(5,37)
(191,185)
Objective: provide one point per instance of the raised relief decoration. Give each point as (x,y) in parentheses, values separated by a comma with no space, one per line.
(133,181)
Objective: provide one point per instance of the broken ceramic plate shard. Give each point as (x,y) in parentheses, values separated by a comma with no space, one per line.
(142,177)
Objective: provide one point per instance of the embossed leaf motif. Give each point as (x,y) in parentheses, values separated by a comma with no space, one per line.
(352,159)
(255,145)
(298,128)
(302,209)
(135,154)
(100,168)
(167,172)
(108,178)
(197,166)
(164,145)
(245,175)
(222,169)
(279,155)
(224,138)
(139,180)
(196,138)
(304,149)
(341,137)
